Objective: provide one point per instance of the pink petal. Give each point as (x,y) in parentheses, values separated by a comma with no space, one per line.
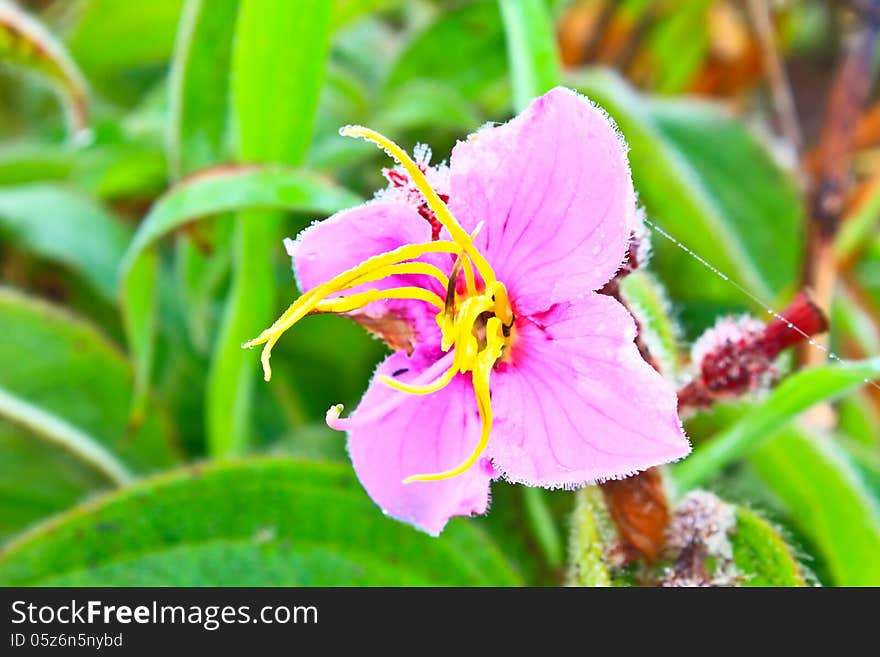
(330,247)
(553,187)
(577,403)
(393,435)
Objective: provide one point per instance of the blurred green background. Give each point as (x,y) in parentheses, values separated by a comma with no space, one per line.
(154,155)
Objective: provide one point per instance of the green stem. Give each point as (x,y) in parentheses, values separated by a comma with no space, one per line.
(531,49)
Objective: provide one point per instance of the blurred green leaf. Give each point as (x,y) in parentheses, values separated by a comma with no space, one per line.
(679,44)
(66,368)
(109,36)
(62,225)
(794,395)
(271,522)
(761,555)
(708,182)
(33,161)
(857,229)
(348,11)
(59,433)
(827,499)
(199,85)
(531,49)
(232,188)
(26,43)
(475,66)
(277,66)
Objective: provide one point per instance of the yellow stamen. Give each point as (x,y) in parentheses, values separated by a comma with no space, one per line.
(307,302)
(405,268)
(355,301)
(441,382)
(481,374)
(469,277)
(478,325)
(444,216)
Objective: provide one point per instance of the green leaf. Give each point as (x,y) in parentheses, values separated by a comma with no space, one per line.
(232,188)
(531,49)
(858,228)
(199,85)
(828,501)
(208,193)
(65,369)
(57,432)
(62,225)
(26,43)
(475,66)
(794,395)
(761,556)
(679,44)
(268,522)
(109,37)
(710,184)
(278,65)
(278,68)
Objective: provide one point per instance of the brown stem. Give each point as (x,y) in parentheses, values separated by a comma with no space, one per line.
(774,69)
(833,161)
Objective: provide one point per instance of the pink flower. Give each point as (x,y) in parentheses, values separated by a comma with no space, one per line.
(507,362)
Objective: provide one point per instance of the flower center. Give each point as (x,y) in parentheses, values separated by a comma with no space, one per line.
(477,322)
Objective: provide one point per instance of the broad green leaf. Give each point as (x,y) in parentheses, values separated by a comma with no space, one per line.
(227,189)
(277,67)
(761,555)
(531,49)
(208,193)
(711,186)
(348,11)
(268,522)
(828,500)
(62,225)
(65,368)
(794,395)
(475,66)
(110,37)
(199,85)
(26,43)
(33,161)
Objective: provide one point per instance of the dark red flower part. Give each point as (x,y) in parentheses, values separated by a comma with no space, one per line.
(736,355)
(401,180)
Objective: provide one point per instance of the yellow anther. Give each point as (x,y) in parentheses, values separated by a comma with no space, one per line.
(444,216)
(355,301)
(481,375)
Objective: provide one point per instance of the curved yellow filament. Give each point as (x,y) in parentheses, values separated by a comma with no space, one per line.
(307,302)
(438,384)
(355,301)
(481,374)
(422,268)
(444,216)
